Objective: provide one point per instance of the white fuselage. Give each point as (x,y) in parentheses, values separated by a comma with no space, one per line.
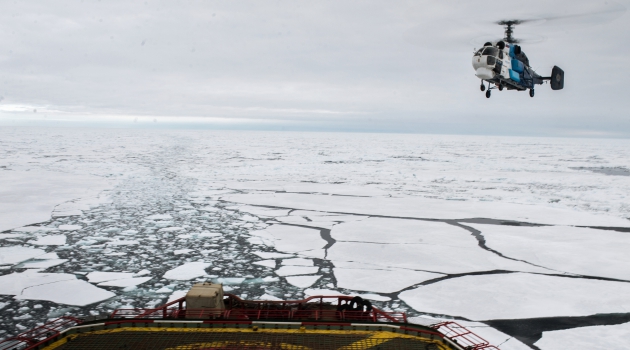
(484,62)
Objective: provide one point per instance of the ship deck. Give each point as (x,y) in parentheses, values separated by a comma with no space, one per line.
(264,335)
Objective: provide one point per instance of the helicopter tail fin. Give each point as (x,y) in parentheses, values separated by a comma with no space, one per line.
(557,78)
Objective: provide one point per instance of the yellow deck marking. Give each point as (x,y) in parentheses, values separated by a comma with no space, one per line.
(375,336)
(380,337)
(242,343)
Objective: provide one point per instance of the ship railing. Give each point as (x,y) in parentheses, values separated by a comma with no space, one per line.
(462,336)
(374,315)
(40,334)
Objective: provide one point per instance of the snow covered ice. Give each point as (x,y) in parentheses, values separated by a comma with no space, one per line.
(495,232)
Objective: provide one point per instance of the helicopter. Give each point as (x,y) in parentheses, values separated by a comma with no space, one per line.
(504,65)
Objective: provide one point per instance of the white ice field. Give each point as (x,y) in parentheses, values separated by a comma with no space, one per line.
(526,240)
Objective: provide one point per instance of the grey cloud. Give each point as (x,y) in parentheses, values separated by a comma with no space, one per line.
(351,65)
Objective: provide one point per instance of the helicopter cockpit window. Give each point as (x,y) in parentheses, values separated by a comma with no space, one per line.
(491,51)
(500,54)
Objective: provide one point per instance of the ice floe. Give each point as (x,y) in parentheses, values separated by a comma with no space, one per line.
(296,270)
(123,242)
(271,255)
(298,262)
(70,227)
(33,195)
(268,297)
(293,239)
(159,217)
(430,257)
(98,277)
(11,235)
(519,295)
(125,282)
(420,207)
(15,283)
(303,281)
(16,254)
(33,229)
(187,271)
(260,211)
(177,295)
(170,229)
(380,280)
(318,291)
(614,337)
(563,248)
(266,263)
(41,263)
(70,292)
(50,240)
(60,288)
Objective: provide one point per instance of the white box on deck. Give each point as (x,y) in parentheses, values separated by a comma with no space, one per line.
(205,296)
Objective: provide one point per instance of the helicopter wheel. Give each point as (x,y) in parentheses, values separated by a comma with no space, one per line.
(531,92)
(488,94)
(482,87)
(500,87)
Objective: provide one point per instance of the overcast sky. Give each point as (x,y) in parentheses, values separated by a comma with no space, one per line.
(385,66)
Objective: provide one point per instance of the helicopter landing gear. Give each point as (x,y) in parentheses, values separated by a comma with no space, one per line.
(500,87)
(482,87)
(488,94)
(531,92)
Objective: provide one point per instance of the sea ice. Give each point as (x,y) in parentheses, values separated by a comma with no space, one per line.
(50,240)
(176,295)
(70,227)
(298,262)
(187,271)
(615,337)
(159,217)
(296,270)
(421,232)
(490,334)
(303,281)
(380,280)
(15,283)
(16,254)
(429,256)
(295,239)
(374,297)
(269,255)
(69,292)
(268,297)
(420,207)
(170,229)
(123,242)
(33,229)
(519,295)
(125,282)
(267,263)
(230,280)
(41,264)
(182,251)
(11,235)
(259,211)
(312,292)
(563,248)
(33,195)
(98,277)
(207,234)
